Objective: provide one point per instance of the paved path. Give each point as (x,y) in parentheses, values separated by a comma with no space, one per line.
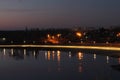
(63,46)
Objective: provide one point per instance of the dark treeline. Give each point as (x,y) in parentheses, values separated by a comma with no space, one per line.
(61,36)
(30,36)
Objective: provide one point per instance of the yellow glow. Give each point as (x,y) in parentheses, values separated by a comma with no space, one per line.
(78,34)
(80,55)
(53,41)
(118,34)
(4,51)
(58,56)
(62,46)
(53,51)
(58,52)
(94,56)
(48,36)
(58,35)
(53,37)
(58,59)
(48,55)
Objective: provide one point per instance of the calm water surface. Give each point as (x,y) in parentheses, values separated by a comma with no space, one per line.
(37,64)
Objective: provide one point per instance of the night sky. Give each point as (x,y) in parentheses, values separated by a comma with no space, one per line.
(17,14)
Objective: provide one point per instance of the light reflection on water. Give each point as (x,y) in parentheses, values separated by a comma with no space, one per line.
(36,64)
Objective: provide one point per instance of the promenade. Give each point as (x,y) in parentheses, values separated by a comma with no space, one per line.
(111,47)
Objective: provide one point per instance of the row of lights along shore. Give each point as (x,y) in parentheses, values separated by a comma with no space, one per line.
(55,39)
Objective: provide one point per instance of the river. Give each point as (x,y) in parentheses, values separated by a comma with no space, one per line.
(58,64)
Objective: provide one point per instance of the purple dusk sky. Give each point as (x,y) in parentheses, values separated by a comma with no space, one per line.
(17,14)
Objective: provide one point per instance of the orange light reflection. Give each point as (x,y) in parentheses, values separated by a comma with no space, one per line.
(58,56)
(80,56)
(48,55)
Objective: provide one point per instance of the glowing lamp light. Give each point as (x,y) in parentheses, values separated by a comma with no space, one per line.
(94,42)
(3,39)
(78,34)
(58,35)
(53,37)
(48,35)
(118,35)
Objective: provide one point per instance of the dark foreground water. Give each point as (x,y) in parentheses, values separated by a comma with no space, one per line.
(37,64)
